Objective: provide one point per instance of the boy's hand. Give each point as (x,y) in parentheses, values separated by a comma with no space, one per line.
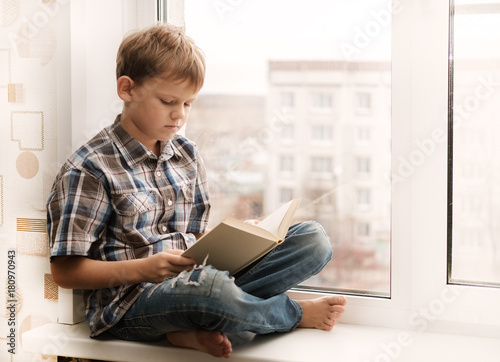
(166,264)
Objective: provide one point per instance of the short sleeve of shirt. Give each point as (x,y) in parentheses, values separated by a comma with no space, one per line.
(77,210)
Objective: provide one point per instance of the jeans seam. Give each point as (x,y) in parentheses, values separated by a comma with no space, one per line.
(300,313)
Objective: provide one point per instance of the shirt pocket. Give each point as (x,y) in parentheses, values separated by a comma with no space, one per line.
(134,215)
(188,192)
(134,203)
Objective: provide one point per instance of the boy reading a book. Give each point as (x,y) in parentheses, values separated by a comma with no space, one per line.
(127,203)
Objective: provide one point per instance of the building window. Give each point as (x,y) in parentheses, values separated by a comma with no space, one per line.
(321,101)
(363,166)
(287,132)
(363,199)
(321,164)
(363,102)
(321,133)
(363,134)
(286,163)
(363,229)
(287,100)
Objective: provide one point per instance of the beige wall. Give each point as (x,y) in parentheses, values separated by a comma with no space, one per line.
(28,146)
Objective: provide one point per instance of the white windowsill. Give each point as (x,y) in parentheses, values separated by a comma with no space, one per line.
(346,343)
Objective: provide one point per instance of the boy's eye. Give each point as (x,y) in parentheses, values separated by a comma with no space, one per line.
(166,102)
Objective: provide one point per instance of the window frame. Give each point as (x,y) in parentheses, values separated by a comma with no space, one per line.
(421,299)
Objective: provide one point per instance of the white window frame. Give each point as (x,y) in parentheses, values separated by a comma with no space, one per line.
(421,299)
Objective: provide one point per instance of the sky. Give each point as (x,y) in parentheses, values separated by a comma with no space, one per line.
(238,37)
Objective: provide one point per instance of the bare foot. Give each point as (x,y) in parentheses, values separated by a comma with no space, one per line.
(322,313)
(211,342)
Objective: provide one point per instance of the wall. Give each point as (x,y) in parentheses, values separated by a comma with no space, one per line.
(56,90)
(28,146)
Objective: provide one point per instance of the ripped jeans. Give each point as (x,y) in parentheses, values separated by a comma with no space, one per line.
(251,301)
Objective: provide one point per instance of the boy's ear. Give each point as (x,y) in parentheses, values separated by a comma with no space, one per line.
(124,86)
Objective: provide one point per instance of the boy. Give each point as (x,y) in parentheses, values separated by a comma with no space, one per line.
(129,201)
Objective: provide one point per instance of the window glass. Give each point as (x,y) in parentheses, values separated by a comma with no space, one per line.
(474,245)
(286,81)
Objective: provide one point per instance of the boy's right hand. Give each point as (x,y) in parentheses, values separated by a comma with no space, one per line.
(166,264)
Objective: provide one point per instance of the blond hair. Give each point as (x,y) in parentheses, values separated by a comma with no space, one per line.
(164,51)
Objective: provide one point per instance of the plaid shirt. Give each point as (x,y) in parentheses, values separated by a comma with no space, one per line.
(115,200)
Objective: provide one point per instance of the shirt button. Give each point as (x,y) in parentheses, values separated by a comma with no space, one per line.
(164,228)
(158,173)
(169,202)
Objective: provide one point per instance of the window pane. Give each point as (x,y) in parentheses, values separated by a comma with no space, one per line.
(296,103)
(475,199)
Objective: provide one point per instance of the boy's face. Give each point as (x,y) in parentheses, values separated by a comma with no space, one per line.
(157,110)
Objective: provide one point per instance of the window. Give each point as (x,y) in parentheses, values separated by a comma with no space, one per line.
(363,229)
(363,199)
(363,166)
(300,138)
(413,251)
(287,100)
(286,163)
(320,100)
(321,164)
(474,254)
(363,134)
(363,102)
(286,133)
(321,133)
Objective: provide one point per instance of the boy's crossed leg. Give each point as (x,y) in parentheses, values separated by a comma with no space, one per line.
(321,313)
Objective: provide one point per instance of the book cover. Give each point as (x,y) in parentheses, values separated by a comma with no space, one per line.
(233,244)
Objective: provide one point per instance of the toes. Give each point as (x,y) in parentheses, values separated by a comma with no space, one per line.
(339,300)
(338,309)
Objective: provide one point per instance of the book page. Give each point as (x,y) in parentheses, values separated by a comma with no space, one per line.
(281,217)
(232,245)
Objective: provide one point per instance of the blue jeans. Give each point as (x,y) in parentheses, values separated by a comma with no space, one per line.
(251,301)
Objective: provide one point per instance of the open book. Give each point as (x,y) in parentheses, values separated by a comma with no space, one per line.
(233,244)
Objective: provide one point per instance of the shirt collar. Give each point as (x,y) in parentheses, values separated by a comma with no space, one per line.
(135,152)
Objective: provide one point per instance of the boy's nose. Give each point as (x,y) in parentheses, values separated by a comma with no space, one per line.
(178,113)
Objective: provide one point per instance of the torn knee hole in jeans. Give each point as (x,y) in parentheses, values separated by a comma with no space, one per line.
(193,277)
